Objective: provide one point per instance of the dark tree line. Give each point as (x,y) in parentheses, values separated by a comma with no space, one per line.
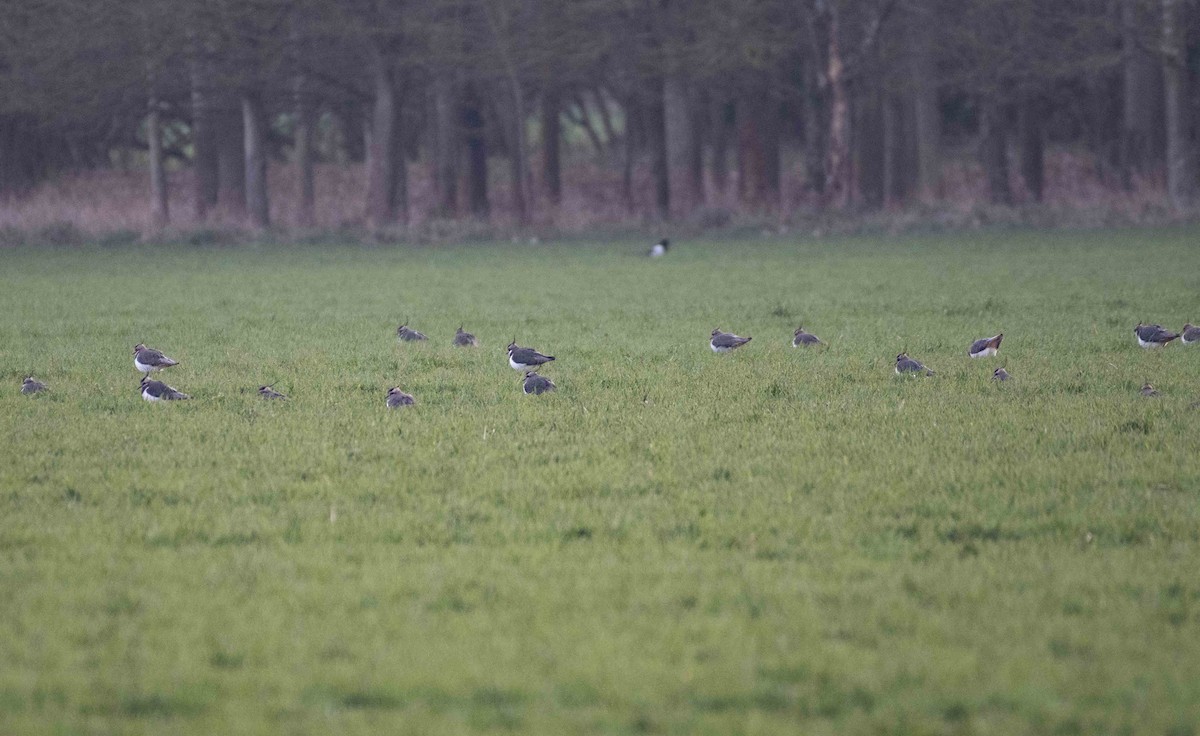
(701,96)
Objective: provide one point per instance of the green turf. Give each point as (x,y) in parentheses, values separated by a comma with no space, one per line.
(770,541)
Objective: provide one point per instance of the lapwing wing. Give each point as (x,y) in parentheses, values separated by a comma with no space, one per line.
(535,384)
(1189,334)
(905,364)
(397,398)
(33,386)
(659,249)
(1153,336)
(523,359)
(985,347)
(159,391)
(408,334)
(148,359)
(723,342)
(802,337)
(269,392)
(1000,375)
(464,339)
(1148,391)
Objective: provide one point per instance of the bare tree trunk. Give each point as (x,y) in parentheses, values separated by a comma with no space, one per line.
(160,214)
(994,154)
(926,118)
(1138,93)
(445,145)
(519,152)
(894,161)
(869,172)
(257,205)
(205,165)
(1033,146)
(837,161)
(723,121)
(1180,170)
(381,153)
(680,135)
(632,114)
(758,146)
(477,167)
(552,145)
(659,163)
(305,121)
(231,162)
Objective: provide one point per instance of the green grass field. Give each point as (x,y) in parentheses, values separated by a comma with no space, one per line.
(774,541)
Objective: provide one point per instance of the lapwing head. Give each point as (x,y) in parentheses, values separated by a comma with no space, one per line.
(1189,326)
(262,389)
(145,378)
(530,374)
(27,379)
(999,375)
(139,348)
(665,243)
(716,331)
(512,345)
(1139,326)
(901,356)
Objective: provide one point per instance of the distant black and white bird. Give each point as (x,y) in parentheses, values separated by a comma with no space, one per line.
(522,359)
(1190,334)
(1000,375)
(659,249)
(397,398)
(535,384)
(1148,390)
(148,359)
(159,391)
(985,347)
(33,386)
(905,364)
(1153,336)
(801,337)
(723,342)
(407,334)
(269,392)
(465,339)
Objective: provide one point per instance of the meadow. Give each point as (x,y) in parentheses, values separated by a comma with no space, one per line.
(769,541)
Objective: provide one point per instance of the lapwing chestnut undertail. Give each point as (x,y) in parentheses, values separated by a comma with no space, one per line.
(1190,334)
(803,337)
(148,359)
(985,347)
(1148,390)
(397,398)
(535,384)
(659,249)
(32,386)
(723,342)
(1000,375)
(407,334)
(159,391)
(1153,336)
(269,392)
(523,359)
(905,364)
(465,339)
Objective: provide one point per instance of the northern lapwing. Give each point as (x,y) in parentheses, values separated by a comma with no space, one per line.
(723,342)
(535,384)
(905,364)
(1148,391)
(659,249)
(397,398)
(1000,375)
(269,392)
(148,359)
(465,339)
(1189,334)
(159,391)
(33,386)
(801,337)
(985,347)
(523,359)
(408,334)
(1153,336)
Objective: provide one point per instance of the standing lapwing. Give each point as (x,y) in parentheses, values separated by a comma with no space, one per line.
(905,364)
(407,334)
(269,392)
(33,386)
(523,359)
(723,342)
(801,337)
(1000,375)
(1189,334)
(397,398)
(148,359)
(465,339)
(1148,390)
(1153,336)
(535,384)
(985,347)
(659,249)
(159,391)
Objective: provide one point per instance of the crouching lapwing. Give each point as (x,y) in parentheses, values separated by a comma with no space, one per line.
(269,392)
(397,398)
(659,249)
(905,364)
(159,391)
(1153,336)
(1190,334)
(1000,375)
(32,386)
(985,347)
(148,359)
(535,384)
(523,359)
(1148,391)
(723,342)
(408,334)
(801,337)
(465,339)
